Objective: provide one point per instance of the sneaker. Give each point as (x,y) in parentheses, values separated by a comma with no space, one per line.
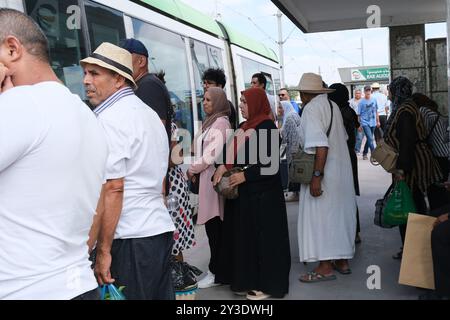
(365,158)
(208,281)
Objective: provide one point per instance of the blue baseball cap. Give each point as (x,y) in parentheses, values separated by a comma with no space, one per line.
(134,46)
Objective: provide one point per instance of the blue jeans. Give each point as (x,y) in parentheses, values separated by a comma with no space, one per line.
(368,131)
(359,139)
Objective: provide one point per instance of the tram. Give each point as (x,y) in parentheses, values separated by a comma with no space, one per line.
(182,43)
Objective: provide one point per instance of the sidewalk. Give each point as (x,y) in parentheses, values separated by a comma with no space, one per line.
(377,247)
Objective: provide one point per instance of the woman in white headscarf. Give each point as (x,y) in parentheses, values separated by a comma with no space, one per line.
(291,137)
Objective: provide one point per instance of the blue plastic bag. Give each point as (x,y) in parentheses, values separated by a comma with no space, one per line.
(110,292)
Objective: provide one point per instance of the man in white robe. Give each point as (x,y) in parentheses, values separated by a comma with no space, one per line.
(327,217)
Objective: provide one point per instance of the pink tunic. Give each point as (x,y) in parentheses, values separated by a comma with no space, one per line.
(210,204)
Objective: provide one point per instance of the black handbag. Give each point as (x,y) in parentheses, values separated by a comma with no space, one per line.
(380,205)
(194,184)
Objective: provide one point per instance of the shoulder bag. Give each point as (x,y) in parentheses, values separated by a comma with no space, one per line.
(302,166)
(384,155)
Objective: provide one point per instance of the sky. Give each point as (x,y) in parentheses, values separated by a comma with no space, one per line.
(314,52)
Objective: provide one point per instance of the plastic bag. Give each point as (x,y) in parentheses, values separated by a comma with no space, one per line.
(110,292)
(399,205)
(184,276)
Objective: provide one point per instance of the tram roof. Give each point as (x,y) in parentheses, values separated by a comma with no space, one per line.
(332,15)
(192,17)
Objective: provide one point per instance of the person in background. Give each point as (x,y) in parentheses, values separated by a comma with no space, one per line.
(52,166)
(210,143)
(406,133)
(383,110)
(284,96)
(216,78)
(134,232)
(351,123)
(290,136)
(256,257)
(354,104)
(259,80)
(368,117)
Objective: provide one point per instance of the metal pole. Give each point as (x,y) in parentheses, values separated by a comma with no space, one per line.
(280,45)
(362,51)
(448,67)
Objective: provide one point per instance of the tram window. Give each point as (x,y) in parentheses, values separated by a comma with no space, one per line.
(67,47)
(199,53)
(104,24)
(249,67)
(168,53)
(215,57)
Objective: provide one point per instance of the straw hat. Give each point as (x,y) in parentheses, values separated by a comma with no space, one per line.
(112,58)
(376,85)
(312,83)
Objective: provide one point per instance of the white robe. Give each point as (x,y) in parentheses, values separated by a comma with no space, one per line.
(327,224)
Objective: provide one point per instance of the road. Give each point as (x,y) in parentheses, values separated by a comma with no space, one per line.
(377,247)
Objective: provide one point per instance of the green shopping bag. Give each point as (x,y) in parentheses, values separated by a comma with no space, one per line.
(399,205)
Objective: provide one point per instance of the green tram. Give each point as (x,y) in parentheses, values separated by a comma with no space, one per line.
(182,42)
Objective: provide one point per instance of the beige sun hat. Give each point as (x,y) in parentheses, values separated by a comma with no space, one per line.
(113,58)
(312,83)
(376,85)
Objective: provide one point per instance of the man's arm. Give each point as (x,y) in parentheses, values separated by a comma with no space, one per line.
(113,201)
(319,165)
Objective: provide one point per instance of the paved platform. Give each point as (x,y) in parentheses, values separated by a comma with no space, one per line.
(377,247)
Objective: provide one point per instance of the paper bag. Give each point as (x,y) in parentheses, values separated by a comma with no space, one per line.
(417,260)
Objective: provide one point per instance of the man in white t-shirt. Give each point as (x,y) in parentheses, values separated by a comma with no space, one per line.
(52,163)
(135,234)
(383,110)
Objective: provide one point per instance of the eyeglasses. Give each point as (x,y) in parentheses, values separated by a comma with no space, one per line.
(282,95)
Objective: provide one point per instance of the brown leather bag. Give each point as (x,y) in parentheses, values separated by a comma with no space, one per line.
(384,155)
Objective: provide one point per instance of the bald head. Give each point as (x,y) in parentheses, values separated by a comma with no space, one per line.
(16,24)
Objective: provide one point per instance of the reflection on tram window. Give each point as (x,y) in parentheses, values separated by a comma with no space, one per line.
(104,25)
(67,47)
(203,57)
(168,53)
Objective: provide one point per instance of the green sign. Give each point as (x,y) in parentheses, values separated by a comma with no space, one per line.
(375,74)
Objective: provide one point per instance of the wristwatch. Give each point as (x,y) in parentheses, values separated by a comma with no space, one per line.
(317,173)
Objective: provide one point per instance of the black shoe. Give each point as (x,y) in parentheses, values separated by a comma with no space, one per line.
(398,255)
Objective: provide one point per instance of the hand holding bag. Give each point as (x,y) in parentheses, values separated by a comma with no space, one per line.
(223,187)
(302,166)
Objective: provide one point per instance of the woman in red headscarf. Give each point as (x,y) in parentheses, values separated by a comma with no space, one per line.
(256,253)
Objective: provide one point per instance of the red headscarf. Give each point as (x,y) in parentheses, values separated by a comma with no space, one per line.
(258,108)
(258,111)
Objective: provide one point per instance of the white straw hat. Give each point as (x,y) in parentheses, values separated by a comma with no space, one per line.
(113,58)
(312,83)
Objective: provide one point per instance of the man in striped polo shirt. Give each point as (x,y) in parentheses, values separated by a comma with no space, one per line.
(134,230)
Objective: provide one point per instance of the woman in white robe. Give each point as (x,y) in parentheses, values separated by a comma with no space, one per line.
(327,223)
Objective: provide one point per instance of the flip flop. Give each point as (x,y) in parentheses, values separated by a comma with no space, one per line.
(342,271)
(317,277)
(257,295)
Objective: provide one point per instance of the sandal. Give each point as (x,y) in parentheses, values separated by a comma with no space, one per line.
(316,277)
(257,295)
(342,271)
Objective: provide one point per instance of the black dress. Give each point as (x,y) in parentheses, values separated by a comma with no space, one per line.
(256,252)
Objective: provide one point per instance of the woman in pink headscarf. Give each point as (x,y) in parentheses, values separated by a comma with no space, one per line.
(210,142)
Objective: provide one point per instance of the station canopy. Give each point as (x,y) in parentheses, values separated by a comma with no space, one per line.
(333,15)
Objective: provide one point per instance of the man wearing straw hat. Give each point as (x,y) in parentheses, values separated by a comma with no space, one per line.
(327,214)
(134,230)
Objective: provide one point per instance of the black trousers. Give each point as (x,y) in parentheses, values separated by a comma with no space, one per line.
(142,266)
(214,232)
(379,132)
(89,296)
(440,246)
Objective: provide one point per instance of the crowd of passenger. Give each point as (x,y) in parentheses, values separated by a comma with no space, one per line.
(97,194)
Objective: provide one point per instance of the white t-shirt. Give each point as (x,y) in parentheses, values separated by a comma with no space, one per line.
(381,102)
(52,164)
(139,152)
